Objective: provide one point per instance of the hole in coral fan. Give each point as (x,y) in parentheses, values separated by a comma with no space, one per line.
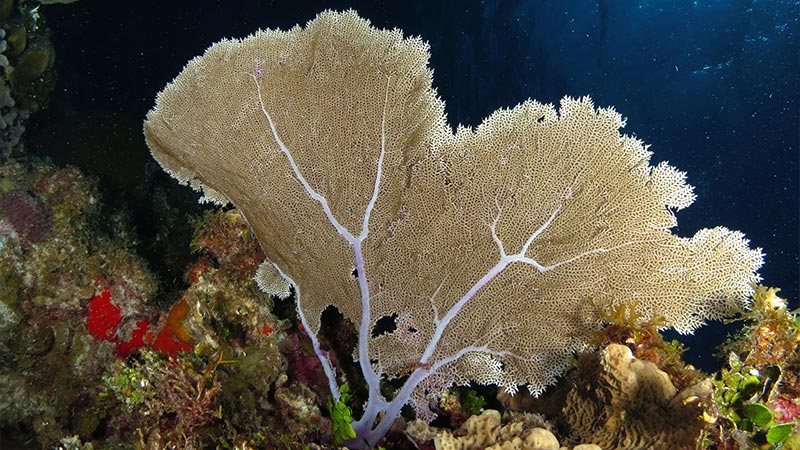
(354,273)
(338,338)
(384,325)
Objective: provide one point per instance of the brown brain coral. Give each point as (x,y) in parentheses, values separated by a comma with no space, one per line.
(621,402)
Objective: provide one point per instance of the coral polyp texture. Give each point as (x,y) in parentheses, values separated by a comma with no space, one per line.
(491,251)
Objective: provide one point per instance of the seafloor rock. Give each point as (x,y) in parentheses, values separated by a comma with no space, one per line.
(621,402)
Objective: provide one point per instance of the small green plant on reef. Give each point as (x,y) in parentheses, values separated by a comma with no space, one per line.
(130,385)
(472,402)
(755,395)
(341,417)
(741,395)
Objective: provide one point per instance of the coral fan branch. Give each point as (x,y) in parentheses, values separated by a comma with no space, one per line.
(327,367)
(375,400)
(297,173)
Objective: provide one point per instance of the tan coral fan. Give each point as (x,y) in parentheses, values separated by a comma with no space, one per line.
(318,132)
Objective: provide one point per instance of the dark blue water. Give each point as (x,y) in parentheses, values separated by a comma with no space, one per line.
(711,85)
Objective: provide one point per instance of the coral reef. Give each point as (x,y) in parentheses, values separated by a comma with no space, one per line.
(223,310)
(770,334)
(55,252)
(28,215)
(487,431)
(165,400)
(756,401)
(12,119)
(77,306)
(623,323)
(752,402)
(95,353)
(27,75)
(212,365)
(457,405)
(220,343)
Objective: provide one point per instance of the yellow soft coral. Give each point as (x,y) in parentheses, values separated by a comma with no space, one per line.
(771,332)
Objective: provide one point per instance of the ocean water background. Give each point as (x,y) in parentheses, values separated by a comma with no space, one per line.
(711,85)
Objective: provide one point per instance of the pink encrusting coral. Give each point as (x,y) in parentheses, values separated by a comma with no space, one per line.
(787,411)
(29,215)
(302,363)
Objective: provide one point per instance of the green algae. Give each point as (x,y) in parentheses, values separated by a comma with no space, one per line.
(7,185)
(5,8)
(32,64)
(17,38)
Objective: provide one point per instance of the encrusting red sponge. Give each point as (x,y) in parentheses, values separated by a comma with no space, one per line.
(104,318)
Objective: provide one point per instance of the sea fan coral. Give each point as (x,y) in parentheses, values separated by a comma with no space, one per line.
(333,144)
